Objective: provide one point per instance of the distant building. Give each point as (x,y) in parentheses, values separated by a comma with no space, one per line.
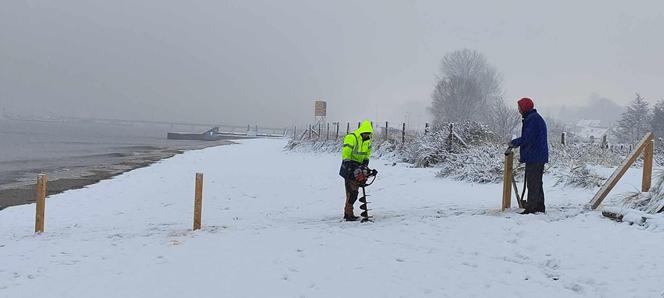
(590,129)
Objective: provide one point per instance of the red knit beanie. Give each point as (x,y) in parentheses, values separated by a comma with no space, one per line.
(525,104)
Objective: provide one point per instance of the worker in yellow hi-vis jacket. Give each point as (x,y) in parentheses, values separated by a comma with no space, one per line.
(355,154)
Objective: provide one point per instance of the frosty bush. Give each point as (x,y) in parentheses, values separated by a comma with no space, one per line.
(649,202)
(579,176)
(481,164)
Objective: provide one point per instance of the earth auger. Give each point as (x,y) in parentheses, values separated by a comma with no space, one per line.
(369,174)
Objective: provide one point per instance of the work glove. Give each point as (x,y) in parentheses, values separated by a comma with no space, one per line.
(359,174)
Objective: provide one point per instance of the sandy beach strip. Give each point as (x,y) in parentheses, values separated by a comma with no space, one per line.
(61,179)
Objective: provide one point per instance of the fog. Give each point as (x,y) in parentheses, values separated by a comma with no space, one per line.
(265,62)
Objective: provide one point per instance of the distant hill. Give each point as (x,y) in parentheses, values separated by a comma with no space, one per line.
(598,108)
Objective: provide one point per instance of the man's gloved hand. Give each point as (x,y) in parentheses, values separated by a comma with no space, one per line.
(509,150)
(360,174)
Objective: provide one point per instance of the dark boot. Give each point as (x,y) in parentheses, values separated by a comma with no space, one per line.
(348,213)
(351,197)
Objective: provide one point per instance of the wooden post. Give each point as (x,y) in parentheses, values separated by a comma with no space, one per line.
(337,136)
(41,203)
(563,138)
(605,143)
(647,166)
(403,133)
(620,171)
(387,127)
(507,181)
(450,137)
(198,201)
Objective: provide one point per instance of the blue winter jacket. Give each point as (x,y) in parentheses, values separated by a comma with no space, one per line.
(533,141)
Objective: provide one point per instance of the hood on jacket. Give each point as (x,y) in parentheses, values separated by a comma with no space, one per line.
(365,127)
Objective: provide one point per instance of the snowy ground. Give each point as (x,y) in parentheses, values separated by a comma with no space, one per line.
(273,229)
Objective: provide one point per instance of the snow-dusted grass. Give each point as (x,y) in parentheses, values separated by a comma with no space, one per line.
(272,229)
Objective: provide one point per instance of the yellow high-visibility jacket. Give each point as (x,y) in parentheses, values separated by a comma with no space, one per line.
(354,148)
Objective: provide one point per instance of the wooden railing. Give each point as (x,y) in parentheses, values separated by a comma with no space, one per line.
(645,148)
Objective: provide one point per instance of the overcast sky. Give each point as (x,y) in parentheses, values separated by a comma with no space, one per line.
(266,61)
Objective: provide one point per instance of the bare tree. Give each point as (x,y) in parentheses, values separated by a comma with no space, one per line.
(468,88)
(503,120)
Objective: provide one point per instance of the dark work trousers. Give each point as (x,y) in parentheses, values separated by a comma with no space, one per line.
(352,188)
(534,173)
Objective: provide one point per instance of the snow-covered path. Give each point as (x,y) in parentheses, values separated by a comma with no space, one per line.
(272,229)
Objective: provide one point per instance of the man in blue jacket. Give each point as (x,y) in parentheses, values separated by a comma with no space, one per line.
(534,151)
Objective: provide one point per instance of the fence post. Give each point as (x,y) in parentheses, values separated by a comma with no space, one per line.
(647,166)
(605,142)
(310,129)
(507,181)
(426,128)
(403,133)
(450,137)
(198,201)
(41,203)
(387,129)
(347,127)
(563,138)
(327,135)
(337,137)
(319,136)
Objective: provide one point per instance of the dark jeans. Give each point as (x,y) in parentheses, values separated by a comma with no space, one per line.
(534,173)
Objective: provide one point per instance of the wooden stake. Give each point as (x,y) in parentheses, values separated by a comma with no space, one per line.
(620,171)
(403,133)
(387,127)
(647,166)
(507,181)
(41,203)
(337,137)
(198,201)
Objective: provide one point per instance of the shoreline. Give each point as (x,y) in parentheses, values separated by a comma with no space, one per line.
(22,191)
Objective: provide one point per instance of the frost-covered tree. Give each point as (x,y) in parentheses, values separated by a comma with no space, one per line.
(635,121)
(503,120)
(657,122)
(467,89)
